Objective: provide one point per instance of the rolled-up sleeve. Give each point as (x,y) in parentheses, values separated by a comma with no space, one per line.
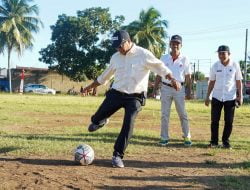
(107,74)
(156,65)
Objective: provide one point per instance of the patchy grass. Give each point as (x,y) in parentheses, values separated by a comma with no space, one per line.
(235,182)
(52,126)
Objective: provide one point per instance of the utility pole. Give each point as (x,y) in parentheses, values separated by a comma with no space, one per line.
(245,67)
(193,82)
(194,73)
(198,69)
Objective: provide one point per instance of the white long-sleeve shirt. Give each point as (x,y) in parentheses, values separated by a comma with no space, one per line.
(131,71)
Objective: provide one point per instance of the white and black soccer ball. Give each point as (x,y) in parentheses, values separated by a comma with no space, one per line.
(84,154)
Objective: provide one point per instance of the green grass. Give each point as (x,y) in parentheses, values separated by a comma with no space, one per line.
(32,125)
(235,182)
(35,124)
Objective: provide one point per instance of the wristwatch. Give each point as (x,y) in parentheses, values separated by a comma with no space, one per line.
(173,79)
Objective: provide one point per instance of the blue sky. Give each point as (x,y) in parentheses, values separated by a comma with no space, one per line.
(204,25)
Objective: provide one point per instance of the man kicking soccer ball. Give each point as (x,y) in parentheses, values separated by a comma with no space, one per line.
(130,67)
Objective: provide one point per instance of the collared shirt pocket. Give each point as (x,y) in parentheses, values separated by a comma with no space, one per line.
(181,69)
(121,73)
(219,74)
(230,72)
(120,69)
(138,70)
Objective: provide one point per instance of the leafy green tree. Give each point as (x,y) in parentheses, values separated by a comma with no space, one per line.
(198,76)
(242,66)
(16,27)
(149,31)
(81,45)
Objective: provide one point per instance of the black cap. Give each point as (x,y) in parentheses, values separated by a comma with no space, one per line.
(119,37)
(176,38)
(223,48)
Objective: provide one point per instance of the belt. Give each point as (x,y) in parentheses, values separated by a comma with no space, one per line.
(126,94)
(170,85)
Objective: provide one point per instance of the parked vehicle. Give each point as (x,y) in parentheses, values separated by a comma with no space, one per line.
(39,89)
(4,85)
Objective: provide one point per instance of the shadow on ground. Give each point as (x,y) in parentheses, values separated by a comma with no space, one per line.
(193,182)
(128,163)
(8,149)
(104,137)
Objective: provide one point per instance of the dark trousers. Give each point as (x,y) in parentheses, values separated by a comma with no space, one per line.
(229,107)
(113,102)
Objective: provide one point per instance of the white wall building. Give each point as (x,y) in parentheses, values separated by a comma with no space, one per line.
(201,89)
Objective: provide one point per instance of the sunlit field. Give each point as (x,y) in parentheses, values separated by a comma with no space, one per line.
(52,126)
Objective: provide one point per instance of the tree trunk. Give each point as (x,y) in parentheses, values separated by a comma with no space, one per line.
(9,70)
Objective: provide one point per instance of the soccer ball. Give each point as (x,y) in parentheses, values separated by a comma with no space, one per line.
(84,154)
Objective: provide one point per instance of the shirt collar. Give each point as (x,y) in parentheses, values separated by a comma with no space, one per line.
(170,56)
(179,56)
(229,64)
(132,50)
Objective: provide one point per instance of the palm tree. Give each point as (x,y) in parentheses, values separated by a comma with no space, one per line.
(149,31)
(16,27)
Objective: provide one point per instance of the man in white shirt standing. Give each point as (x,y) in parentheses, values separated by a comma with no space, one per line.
(226,83)
(130,67)
(180,67)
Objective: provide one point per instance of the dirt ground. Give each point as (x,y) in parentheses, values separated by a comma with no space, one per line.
(172,167)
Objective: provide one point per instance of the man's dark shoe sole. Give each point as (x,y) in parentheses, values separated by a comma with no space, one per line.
(93,127)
